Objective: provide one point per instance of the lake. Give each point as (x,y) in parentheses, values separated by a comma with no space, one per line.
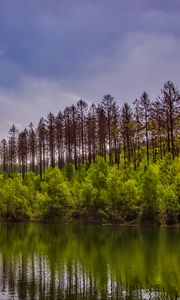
(44,261)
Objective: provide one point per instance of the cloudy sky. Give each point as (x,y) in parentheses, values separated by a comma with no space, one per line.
(52,53)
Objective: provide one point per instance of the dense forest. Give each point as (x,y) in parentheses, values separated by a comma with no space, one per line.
(97,162)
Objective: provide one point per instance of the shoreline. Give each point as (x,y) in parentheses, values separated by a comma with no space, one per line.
(82,222)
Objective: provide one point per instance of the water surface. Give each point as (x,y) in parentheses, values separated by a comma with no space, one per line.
(88,262)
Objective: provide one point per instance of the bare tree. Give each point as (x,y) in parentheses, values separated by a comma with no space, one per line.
(50,127)
(102,131)
(41,146)
(171,104)
(23,151)
(12,145)
(59,137)
(91,133)
(82,107)
(145,106)
(32,146)
(126,127)
(108,105)
(4,156)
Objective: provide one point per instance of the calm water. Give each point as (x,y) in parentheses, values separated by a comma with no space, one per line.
(88,262)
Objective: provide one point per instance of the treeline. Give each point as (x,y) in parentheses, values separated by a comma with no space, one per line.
(122,136)
(96,163)
(101,193)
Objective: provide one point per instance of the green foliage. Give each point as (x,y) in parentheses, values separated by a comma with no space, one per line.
(98,172)
(69,171)
(150,200)
(167,169)
(131,199)
(58,193)
(149,195)
(170,205)
(114,185)
(123,195)
(81,174)
(88,197)
(14,199)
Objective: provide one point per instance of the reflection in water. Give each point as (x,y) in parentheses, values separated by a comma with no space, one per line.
(88,262)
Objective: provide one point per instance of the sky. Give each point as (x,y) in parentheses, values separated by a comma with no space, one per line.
(53,53)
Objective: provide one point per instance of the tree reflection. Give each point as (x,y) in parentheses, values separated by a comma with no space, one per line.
(88,262)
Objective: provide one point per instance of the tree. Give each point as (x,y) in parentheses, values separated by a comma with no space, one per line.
(68,134)
(145,106)
(157,128)
(101,131)
(32,146)
(41,146)
(23,151)
(50,127)
(74,117)
(59,133)
(116,132)
(126,125)
(109,105)
(91,132)
(150,206)
(12,145)
(138,126)
(171,104)
(4,156)
(82,107)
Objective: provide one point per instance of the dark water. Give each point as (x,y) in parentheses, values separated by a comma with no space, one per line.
(88,262)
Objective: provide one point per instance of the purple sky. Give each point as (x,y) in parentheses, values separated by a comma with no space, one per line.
(52,53)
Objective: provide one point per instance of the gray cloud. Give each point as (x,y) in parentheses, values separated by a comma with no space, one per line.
(55,39)
(150,60)
(31,99)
